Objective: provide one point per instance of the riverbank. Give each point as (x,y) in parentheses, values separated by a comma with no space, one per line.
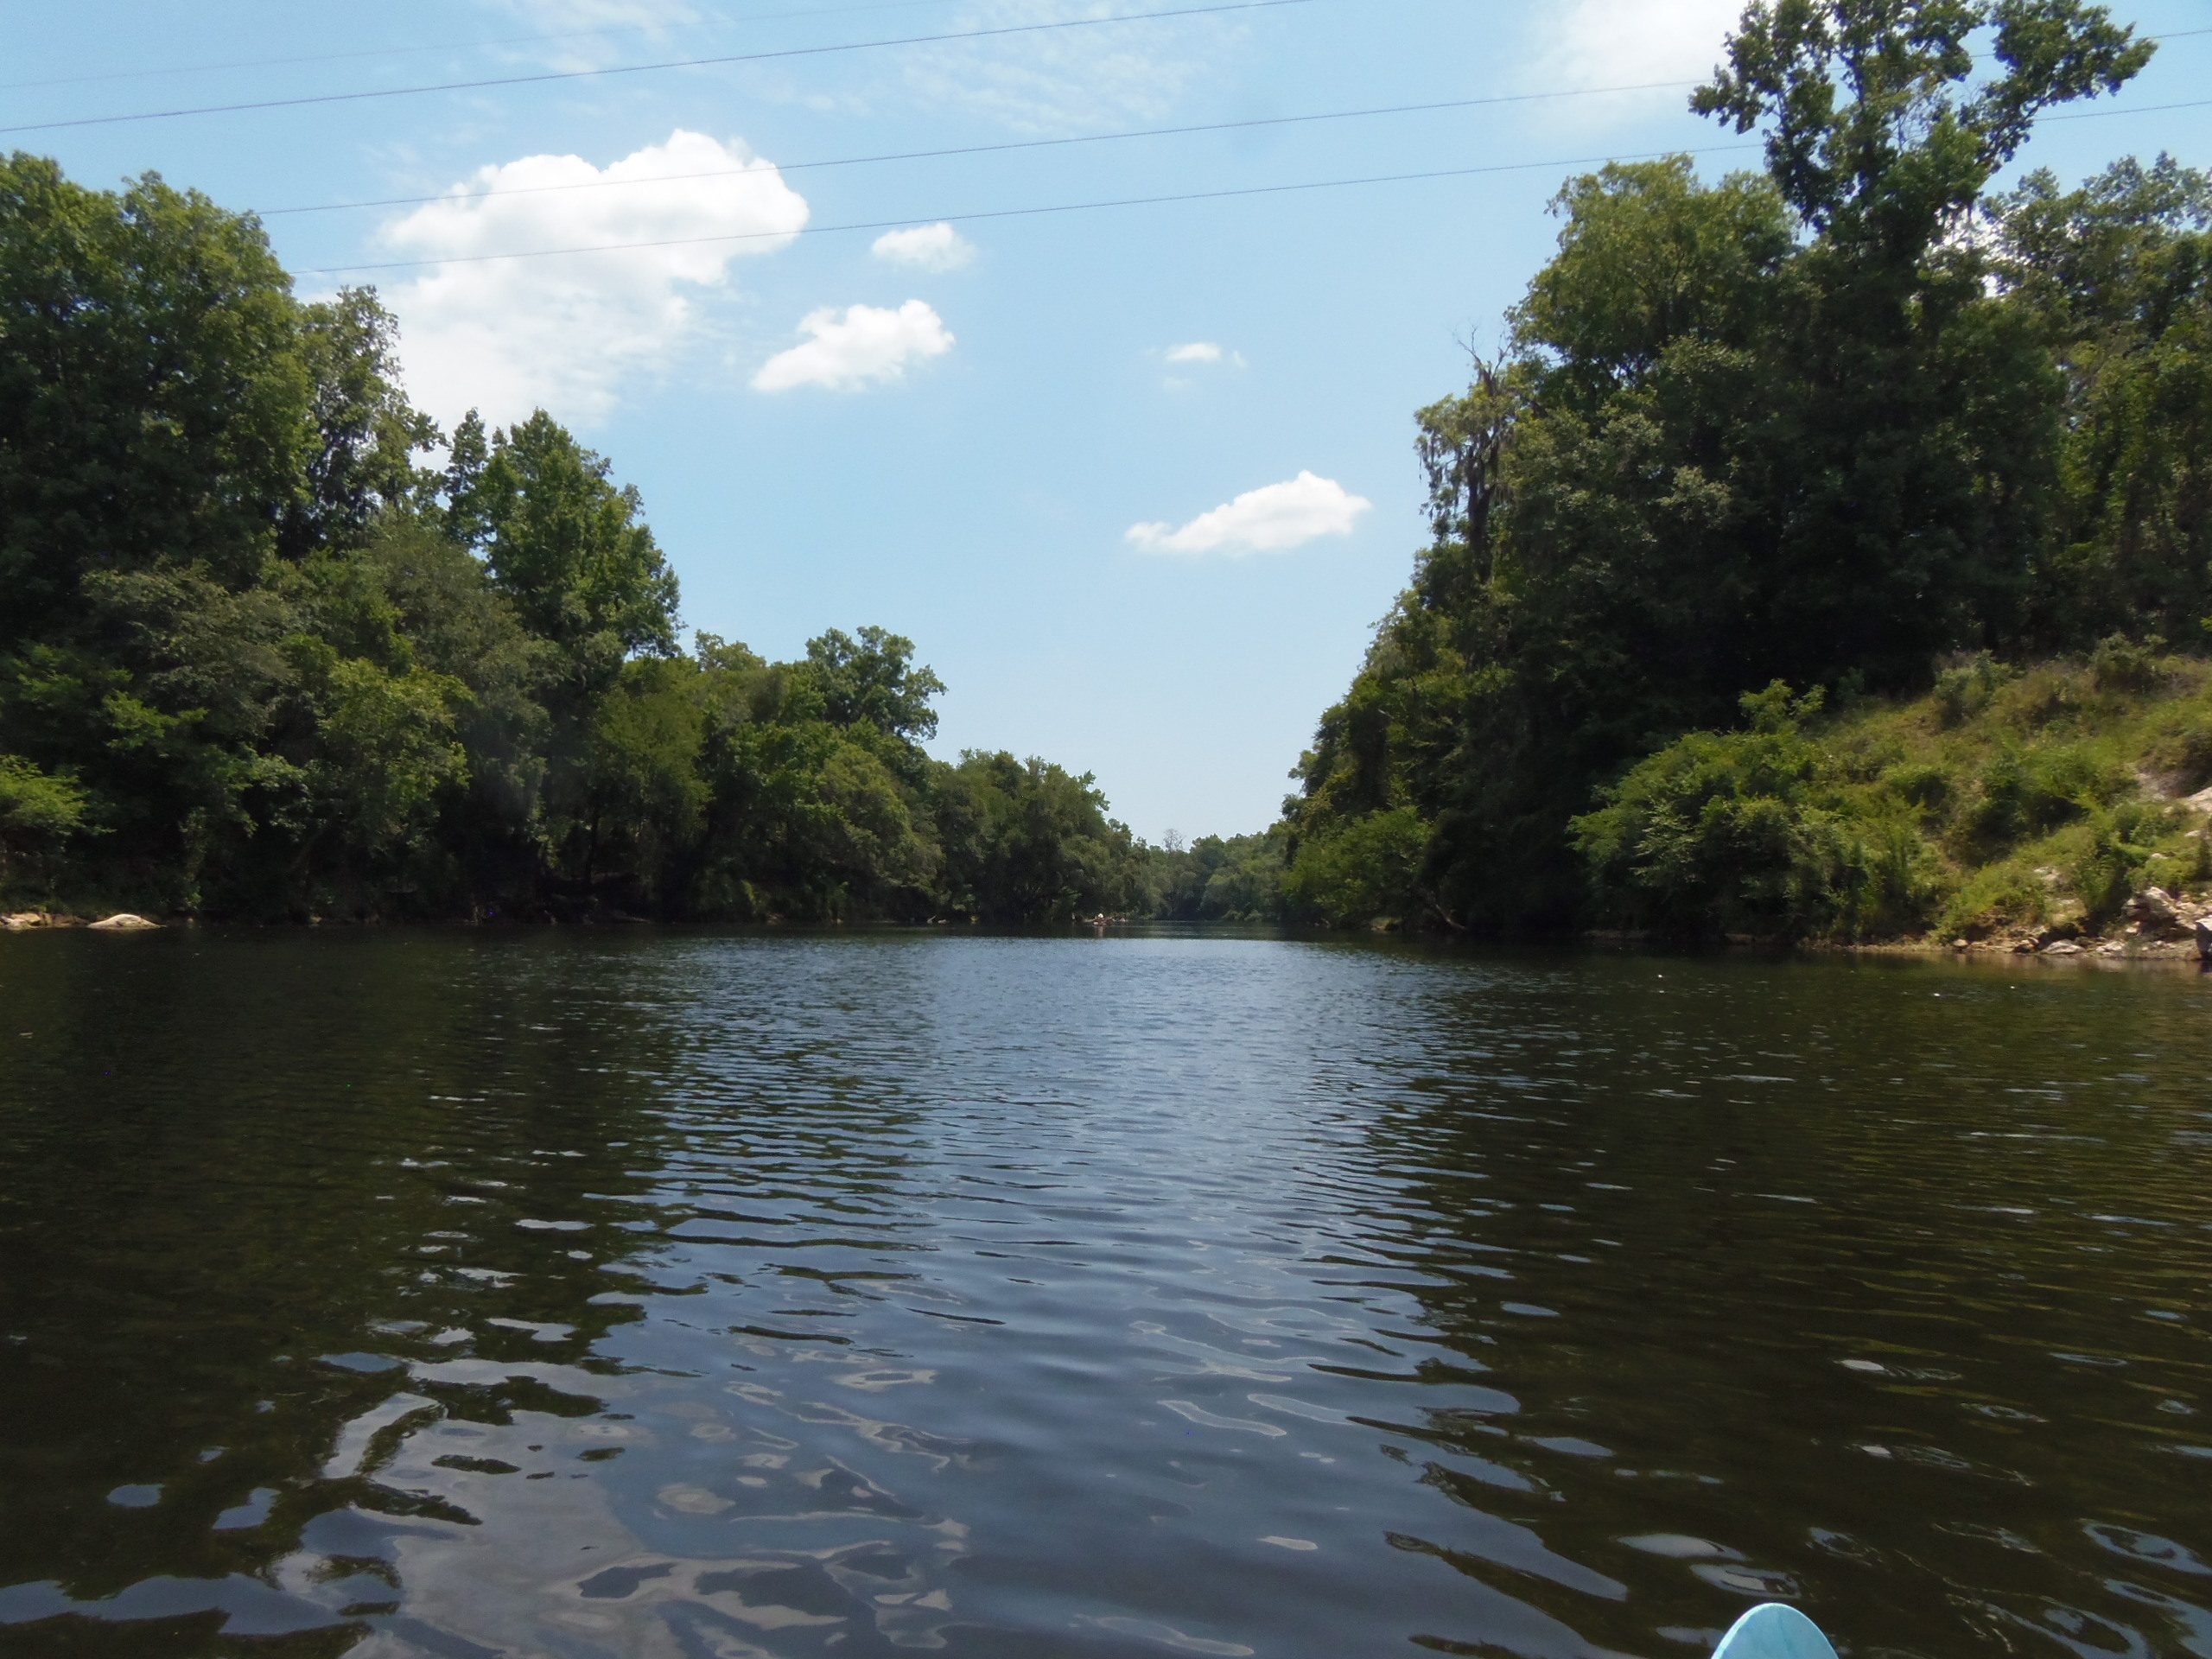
(26,921)
(2054,807)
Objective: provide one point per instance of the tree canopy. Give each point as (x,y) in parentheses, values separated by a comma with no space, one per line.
(261,658)
(1827,425)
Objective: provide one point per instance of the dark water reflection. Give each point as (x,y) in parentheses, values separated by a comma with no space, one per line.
(679,1295)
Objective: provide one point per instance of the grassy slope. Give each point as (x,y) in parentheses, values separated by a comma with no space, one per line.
(2043,799)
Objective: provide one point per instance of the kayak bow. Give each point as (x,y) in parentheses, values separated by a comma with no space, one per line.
(1774,1632)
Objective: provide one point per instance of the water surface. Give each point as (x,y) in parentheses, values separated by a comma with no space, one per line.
(652,1294)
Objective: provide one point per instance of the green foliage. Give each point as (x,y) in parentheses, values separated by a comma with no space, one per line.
(869,681)
(1964,689)
(1218,879)
(1027,842)
(2119,275)
(1920,135)
(156,398)
(2118,663)
(1365,871)
(257,661)
(568,548)
(2121,844)
(1845,425)
(1753,832)
(36,809)
(1893,818)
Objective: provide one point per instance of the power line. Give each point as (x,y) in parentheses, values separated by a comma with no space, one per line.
(2140,109)
(1110,138)
(1105,138)
(1125,201)
(647,68)
(600,33)
(987,149)
(1019,213)
(461,45)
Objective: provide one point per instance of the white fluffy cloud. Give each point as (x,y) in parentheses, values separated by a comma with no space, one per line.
(862,343)
(1261,521)
(1629,43)
(567,331)
(1198,351)
(930,247)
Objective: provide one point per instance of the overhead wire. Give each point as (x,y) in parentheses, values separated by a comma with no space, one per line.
(989,149)
(1012,145)
(547,76)
(1105,138)
(1015,212)
(630,69)
(981,215)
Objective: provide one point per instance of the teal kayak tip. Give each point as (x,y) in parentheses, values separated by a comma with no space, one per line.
(1774,1632)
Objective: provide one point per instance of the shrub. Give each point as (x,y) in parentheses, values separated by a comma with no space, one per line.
(1369,870)
(1723,832)
(2024,791)
(2121,842)
(2118,663)
(1995,899)
(1966,686)
(1925,784)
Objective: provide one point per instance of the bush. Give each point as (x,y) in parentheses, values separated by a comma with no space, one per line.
(1724,832)
(1924,784)
(37,809)
(1368,871)
(1996,899)
(1967,685)
(2029,790)
(2121,843)
(2118,663)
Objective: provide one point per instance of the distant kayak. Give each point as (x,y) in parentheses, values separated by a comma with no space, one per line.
(1774,1632)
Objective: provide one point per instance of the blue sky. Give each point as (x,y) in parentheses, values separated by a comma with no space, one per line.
(1138,480)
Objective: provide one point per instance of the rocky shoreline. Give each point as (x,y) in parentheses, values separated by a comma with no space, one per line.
(124,921)
(2157,927)
(2154,924)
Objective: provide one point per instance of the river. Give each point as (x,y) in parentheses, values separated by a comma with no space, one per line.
(592,1293)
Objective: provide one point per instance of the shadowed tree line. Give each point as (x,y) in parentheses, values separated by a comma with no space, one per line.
(259,658)
(1761,458)
(1841,426)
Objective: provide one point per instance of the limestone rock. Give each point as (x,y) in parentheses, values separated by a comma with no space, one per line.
(20,920)
(2153,905)
(124,922)
(2061,948)
(2205,939)
(2155,914)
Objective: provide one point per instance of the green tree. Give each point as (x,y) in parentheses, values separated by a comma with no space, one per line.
(36,809)
(1776,427)
(1905,465)
(645,798)
(870,681)
(360,463)
(2119,274)
(568,548)
(154,396)
(1030,842)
